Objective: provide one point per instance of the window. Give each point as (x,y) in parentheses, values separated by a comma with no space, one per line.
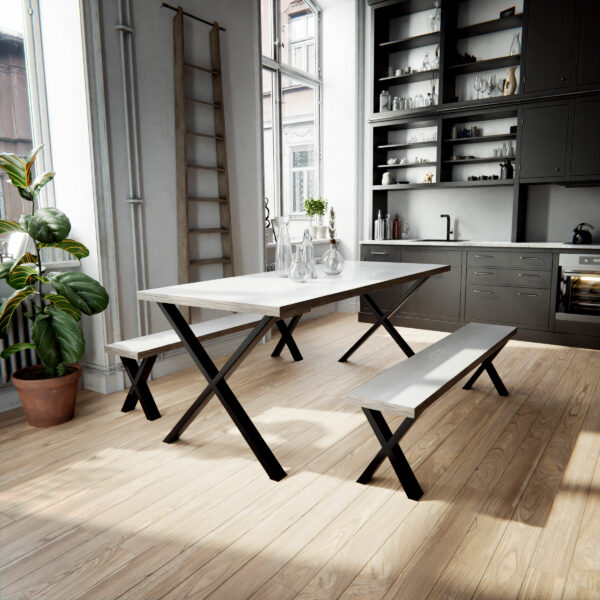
(291,101)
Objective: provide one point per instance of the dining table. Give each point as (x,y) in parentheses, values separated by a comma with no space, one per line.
(278,298)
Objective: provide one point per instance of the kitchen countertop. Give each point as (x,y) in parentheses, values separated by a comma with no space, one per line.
(486,244)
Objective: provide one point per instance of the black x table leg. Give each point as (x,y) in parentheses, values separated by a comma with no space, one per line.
(383,320)
(217,384)
(287,339)
(391,450)
(487,365)
(139,390)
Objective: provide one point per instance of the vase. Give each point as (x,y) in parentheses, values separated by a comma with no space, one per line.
(515,47)
(510,87)
(298,270)
(283,250)
(332,261)
(308,251)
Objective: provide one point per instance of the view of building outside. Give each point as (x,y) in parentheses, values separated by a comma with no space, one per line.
(15,123)
(299,102)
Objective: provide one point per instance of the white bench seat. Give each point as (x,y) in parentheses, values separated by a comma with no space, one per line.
(408,388)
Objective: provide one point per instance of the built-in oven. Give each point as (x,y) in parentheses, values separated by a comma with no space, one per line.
(578,299)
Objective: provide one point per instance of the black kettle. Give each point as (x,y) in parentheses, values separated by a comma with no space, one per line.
(582,236)
(506,170)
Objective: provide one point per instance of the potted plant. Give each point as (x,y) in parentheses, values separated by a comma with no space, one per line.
(315,208)
(47,391)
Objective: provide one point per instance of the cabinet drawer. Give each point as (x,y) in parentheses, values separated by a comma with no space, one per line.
(525,307)
(511,260)
(435,256)
(514,277)
(381,253)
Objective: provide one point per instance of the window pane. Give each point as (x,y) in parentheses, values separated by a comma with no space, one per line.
(299,144)
(269,142)
(266,27)
(15,124)
(298,25)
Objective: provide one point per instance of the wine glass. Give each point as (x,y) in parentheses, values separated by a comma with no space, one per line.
(477,85)
(492,81)
(484,86)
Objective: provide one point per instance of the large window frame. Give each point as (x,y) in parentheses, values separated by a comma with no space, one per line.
(279,69)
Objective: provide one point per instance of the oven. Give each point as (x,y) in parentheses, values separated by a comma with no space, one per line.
(578,299)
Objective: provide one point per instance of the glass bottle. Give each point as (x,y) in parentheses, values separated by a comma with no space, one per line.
(332,261)
(388,227)
(308,251)
(379,227)
(283,250)
(298,270)
(515,47)
(384,101)
(396,228)
(419,102)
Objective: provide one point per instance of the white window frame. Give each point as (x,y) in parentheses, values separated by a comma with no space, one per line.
(294,170)
(280,70)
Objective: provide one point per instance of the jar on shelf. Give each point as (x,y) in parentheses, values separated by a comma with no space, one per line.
(384,101)
(396,103)
(419,101)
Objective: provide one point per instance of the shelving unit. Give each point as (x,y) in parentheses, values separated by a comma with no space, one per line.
(408,165)
(475,161)
(444,185)
(410,77)
(418,41)
(486,65)
(481,139)
(512,22)
(432,144)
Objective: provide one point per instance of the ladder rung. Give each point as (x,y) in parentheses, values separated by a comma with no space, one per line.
(209,230)
(219,138)
(193,66)
(216,105)
(201,199)
(210,261)
(220,169)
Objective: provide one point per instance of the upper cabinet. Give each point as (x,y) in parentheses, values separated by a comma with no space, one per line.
(549,33)
(588,50)
(585,159)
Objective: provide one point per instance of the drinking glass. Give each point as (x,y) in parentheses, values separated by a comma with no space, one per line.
(477,85)
(492,84)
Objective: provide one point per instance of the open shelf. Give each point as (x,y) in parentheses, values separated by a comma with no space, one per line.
(481,139)
(474,161)
(418,41)
(408,165)
(431,144)
(490,26)
(486,65)
(443,184)
(410,78)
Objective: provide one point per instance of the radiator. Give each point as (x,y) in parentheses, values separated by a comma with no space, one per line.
(19,330)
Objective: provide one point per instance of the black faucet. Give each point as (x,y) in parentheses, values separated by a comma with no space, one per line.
(448,231)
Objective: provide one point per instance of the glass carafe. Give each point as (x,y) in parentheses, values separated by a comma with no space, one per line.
(308,251)
(333,261)
(298,270)
(283,250)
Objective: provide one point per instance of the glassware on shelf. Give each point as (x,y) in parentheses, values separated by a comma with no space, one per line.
(419,101)
(426,62)
(298,269)
(379,227)
(396,103)
(435,18)
(384,101)
(428,100)
(405,230)
(283,249)
(492,82)
(477,85)
(308,252)
(332,261)
(515,47)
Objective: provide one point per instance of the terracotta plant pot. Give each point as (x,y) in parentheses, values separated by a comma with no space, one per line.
(47,402)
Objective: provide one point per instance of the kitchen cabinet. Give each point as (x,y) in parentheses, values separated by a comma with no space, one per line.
(544,142)
(380,253)
(588,50)
(549,36)
(585,159)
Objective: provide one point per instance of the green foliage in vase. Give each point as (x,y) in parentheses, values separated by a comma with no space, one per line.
(331,224)
(315,206)
(60,297)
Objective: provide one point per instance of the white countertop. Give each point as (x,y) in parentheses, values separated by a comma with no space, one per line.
(487,244)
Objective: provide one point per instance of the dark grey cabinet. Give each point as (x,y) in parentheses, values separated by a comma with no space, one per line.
(549,36)
(544,142)
(585,158)
(588,60)
(377,253)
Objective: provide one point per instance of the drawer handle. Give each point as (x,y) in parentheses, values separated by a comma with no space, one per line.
(524,294)
(482,273)
(530,257)
(529,275)
(373,253)
(484,256)
(482,292)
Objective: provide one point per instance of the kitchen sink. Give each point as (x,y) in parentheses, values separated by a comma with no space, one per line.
(440,240)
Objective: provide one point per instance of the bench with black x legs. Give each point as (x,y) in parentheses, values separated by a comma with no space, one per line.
(408,388)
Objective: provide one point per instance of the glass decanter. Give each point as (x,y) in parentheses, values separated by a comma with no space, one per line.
(283,250)
(332,261)
(298,269)
(308,251)
(515,47)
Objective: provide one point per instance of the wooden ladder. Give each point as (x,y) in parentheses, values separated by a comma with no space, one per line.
(183,135)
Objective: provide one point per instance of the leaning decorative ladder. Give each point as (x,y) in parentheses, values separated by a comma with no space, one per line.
(183,167)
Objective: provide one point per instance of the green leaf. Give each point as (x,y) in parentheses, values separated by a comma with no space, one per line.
(81,291)
(57,338)
(63,304)
(15,167)
(29,160)
(8,352)
(41,181)
(5,268)
(48,225)
(27,259)
(8,226)
(77,249)
(8,308)
(21,275)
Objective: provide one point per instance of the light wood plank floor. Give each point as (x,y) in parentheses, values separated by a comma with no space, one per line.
(100,508)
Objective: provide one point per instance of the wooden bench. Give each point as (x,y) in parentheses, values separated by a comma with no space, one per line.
(408,388)
(148,347)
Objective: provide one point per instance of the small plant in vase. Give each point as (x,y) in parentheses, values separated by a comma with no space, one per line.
(315,208)
(47,392)
(333,261)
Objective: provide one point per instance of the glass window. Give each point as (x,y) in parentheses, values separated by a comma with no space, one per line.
(270,168)
(266,27)
(297,27)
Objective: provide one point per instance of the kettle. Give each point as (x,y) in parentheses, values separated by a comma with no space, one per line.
(582,236)
(506,170)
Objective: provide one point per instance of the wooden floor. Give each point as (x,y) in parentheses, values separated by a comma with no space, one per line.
(100,508)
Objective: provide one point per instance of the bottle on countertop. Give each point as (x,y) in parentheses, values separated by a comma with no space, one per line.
(309,254)
(388,227)
(396,228)
(379,227)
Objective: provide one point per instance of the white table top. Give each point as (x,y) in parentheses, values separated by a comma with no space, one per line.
(271,295)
